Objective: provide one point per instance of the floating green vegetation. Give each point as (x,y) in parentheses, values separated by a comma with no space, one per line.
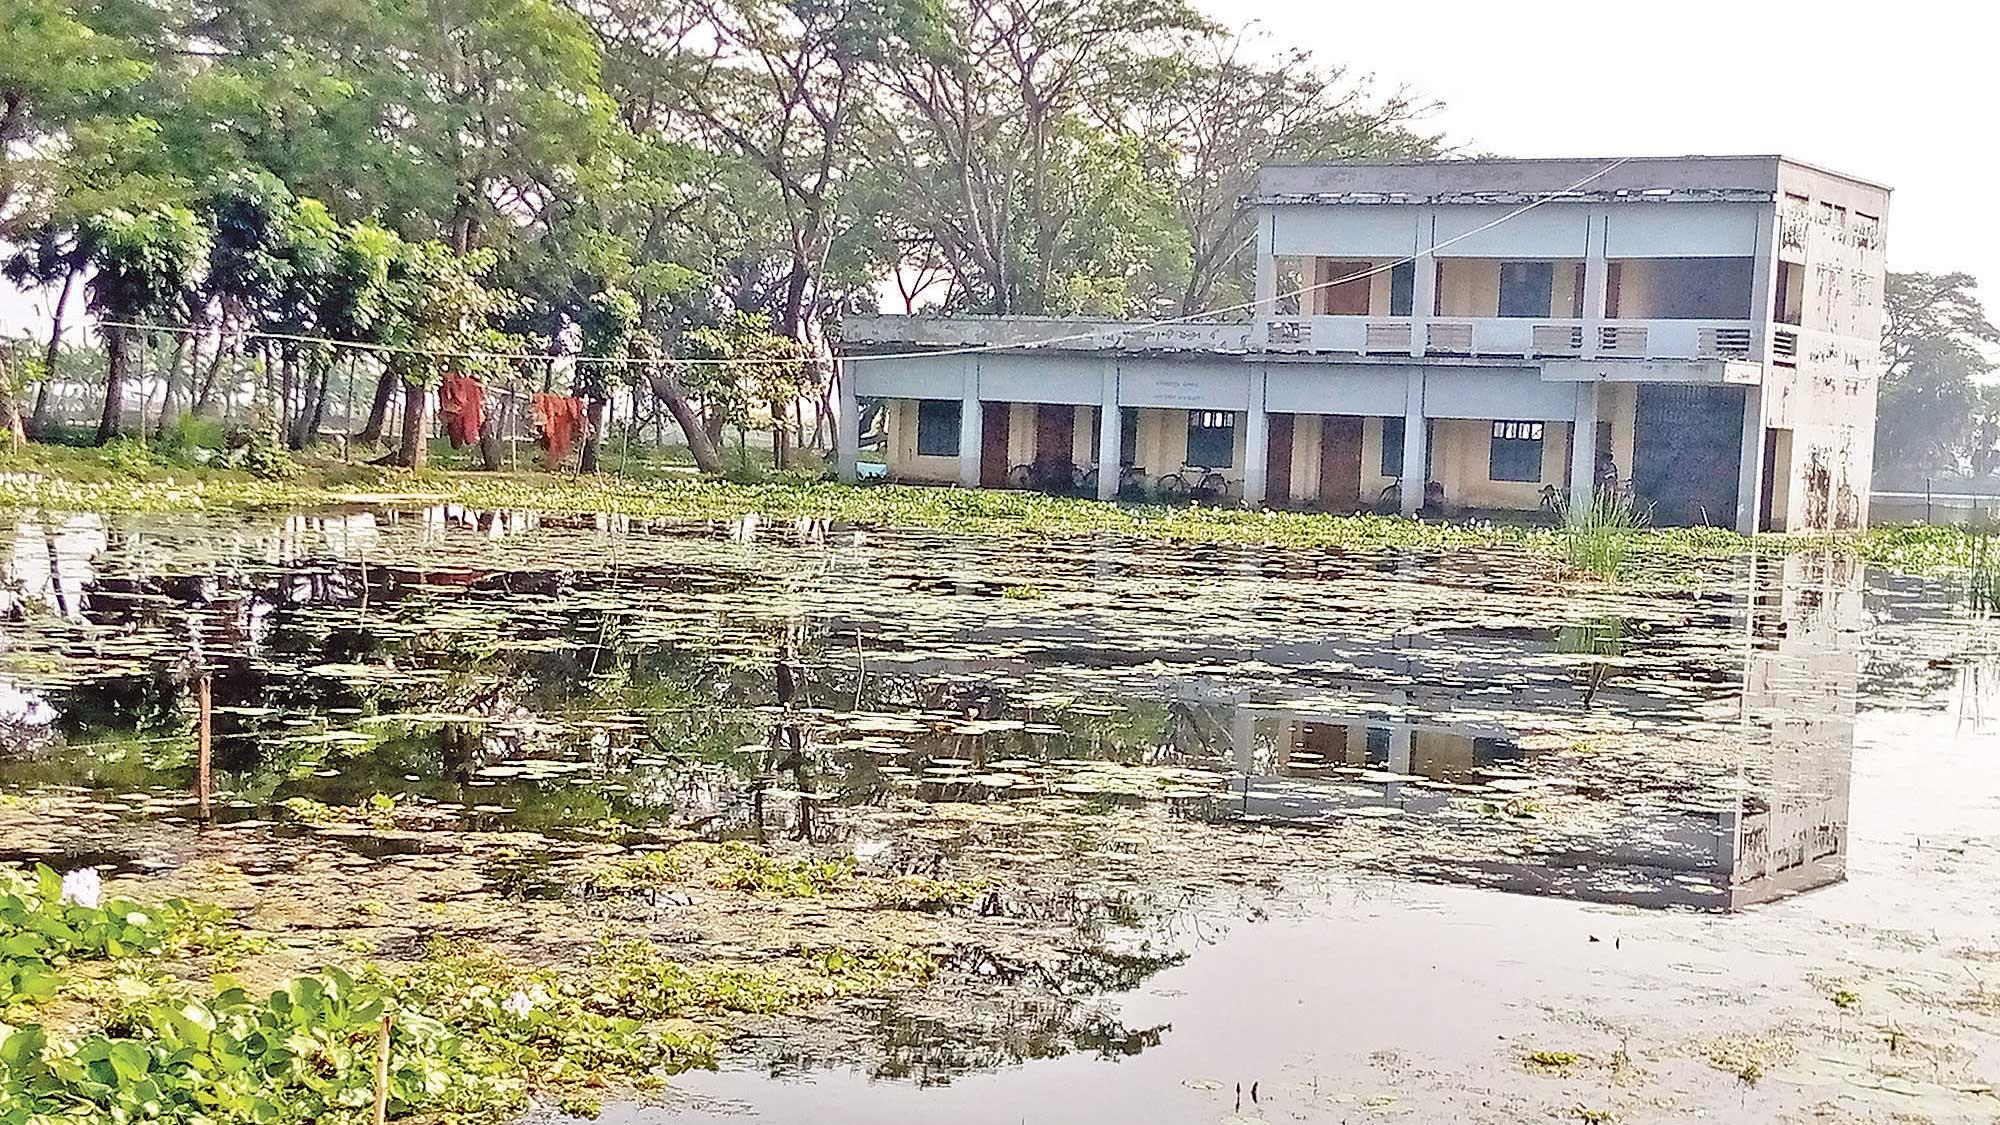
(49,923)
(1552,1060)
(733,866)
(922,892)
(472,1036)
(1026,592)
(1598,540)
(1846,999)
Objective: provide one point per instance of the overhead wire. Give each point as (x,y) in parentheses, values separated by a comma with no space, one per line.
(1123,328)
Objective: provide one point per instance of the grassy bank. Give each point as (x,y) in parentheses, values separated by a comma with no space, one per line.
(54,478)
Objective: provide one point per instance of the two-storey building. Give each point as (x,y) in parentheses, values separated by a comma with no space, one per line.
(1699,332)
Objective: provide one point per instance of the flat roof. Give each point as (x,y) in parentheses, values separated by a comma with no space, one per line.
(1474,178)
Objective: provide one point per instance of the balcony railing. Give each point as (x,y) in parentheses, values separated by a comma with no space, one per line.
(1514,337)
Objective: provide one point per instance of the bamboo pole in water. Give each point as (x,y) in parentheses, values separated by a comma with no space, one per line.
(382,1072)
(203,727)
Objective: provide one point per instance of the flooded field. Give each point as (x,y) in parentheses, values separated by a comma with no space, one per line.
(1191,834)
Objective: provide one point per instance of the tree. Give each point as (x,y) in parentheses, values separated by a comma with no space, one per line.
(1006,176)
(146,269)
(742,362)
(1209,117)
(53,256)
(60,65)
(609,319)
(440,322)
(1934,342)
(19,366)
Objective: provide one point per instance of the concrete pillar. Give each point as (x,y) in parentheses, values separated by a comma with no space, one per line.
(847,425)
(1750,469)
(1415,436)
(1596,280)
(1764,285)
(1583,447)
(969,436)
(1256,443)
(1267,276)
(1423,283)
(1109,430)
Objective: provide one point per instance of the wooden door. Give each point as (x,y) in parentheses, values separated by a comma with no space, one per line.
(1055,436)
(1339,462)
(993,466)
(1349,298)
(1278,467)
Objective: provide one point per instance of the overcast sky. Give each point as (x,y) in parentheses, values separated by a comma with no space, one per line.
(1898,93)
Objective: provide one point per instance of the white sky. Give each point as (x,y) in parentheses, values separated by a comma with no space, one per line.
(1897,93)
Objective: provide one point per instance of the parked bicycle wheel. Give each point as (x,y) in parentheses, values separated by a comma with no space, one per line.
(1172,488)
(1212,487)
(1131,483)
(1021,476)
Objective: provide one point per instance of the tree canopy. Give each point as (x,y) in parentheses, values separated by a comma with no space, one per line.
(690,162)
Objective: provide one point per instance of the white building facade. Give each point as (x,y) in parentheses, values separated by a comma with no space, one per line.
(1700,333)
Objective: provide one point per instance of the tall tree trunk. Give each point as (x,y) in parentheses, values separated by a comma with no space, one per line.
(593,437)
(312,405)
(116,341)
(10,418)
(191,343)
(10,414)
(490,425)
(40,425)
(203,399)
(317,418)
(415,451)
(167,385)
(378,413)
(703,445)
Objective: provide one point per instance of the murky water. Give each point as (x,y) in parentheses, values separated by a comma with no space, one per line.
(1542,815)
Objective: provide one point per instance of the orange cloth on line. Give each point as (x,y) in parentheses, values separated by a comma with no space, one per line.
(461,400)
(561,419)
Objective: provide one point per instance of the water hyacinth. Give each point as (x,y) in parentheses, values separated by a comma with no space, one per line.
(82,887)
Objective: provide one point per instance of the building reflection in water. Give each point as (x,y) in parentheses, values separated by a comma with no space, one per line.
(1738,814)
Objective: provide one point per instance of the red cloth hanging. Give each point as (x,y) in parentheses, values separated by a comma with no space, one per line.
(462,401)
(561,419)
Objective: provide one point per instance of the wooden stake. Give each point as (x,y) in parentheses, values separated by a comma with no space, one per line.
(203,728)
(382,1072)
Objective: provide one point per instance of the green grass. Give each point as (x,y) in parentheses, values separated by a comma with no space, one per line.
(59,478)
(1599,537)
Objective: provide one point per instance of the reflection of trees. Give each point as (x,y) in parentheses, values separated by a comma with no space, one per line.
(1041,1012)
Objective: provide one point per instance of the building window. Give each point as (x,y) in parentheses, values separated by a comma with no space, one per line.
(937,427)
(1526,288)
(1402,289)
(1128,436)
(1211,439)
(1392,447)
(1516,452)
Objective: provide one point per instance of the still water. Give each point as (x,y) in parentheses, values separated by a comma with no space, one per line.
(1459,810)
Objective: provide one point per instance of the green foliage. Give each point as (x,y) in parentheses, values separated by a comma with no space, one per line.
(928,894)
(146,265)
(305,1053)
(733,865)
(1931,415)
(41,934)
(1598,538)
